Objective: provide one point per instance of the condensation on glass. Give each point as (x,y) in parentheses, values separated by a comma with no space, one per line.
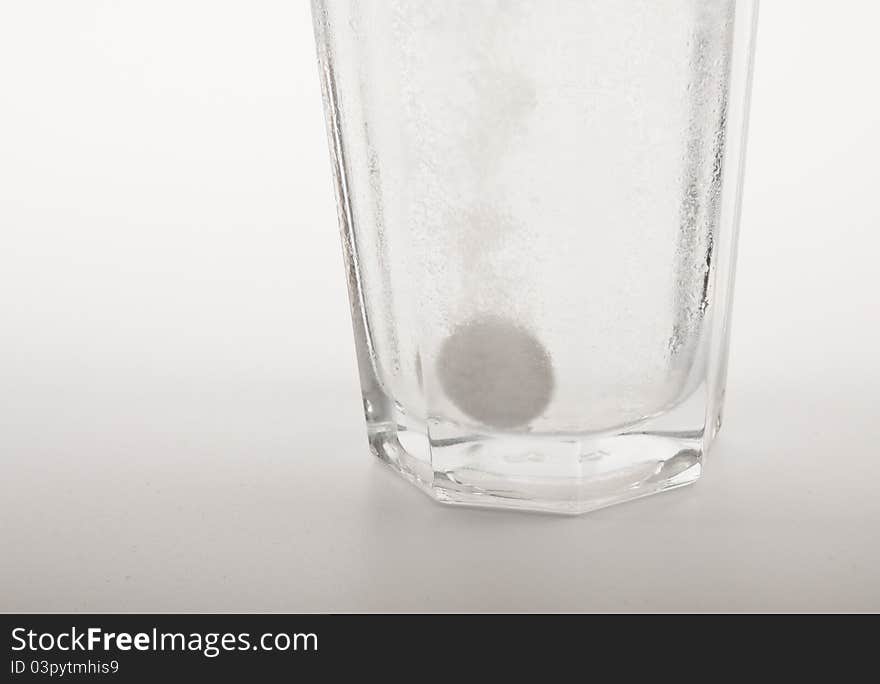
(539,206)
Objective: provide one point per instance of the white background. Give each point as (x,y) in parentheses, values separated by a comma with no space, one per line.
(180,423)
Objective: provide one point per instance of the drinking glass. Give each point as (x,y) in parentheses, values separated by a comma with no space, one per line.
(539,204)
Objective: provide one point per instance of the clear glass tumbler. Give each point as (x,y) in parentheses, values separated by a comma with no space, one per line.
(539,203)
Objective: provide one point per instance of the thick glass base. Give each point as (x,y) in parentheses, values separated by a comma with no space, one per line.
(560,473)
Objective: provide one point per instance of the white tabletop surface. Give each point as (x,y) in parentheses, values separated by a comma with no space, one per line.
(180,423)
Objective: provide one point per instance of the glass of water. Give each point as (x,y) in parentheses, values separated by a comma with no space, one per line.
(539,203)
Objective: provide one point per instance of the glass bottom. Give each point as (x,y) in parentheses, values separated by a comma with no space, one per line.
(552,473)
